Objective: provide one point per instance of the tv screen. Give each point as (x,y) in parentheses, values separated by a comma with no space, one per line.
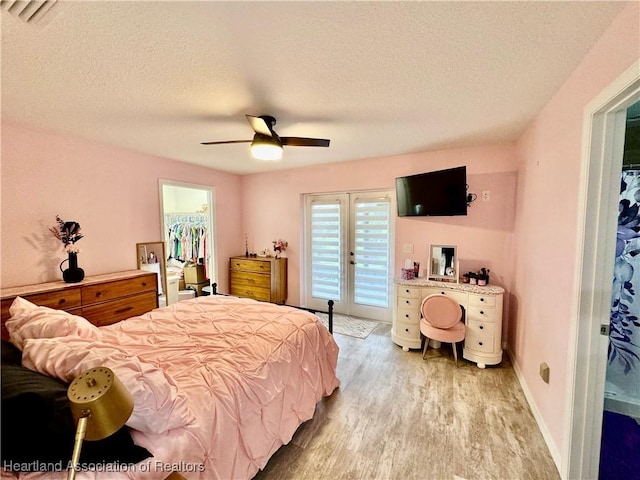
(440,193)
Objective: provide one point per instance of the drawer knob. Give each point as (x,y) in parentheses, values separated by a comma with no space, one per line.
(481,299)
(406,315)
(481,312)
(407,290)
(406,330)
(98,294)
(407,301)
(123,310)
(442,293)
(481,327)
(61,301)
(480,343)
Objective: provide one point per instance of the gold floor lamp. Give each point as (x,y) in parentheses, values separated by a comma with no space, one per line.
(100,404)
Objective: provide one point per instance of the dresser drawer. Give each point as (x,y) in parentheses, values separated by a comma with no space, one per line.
(480,300)
(61,300)
(484,313)
(407,315)
(119,288)
(261,266)
(408,292)
(262,294)
(111,312)
(251,280)
(460,297)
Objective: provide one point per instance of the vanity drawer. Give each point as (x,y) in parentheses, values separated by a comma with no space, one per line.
(480,336)
(480,300)
(409,303)
(460,297)
(408,292)
(483,313)
(407,315)
(408,330)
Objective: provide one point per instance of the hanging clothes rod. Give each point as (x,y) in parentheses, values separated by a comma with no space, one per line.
(170,218)
(631,166)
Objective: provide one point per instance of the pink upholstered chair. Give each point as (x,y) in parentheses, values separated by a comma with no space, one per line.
(442,320)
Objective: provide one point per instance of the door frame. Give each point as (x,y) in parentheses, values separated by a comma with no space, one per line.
(601,163)
(212,268)
(305,274)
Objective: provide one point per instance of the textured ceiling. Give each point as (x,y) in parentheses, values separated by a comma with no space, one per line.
(377,78)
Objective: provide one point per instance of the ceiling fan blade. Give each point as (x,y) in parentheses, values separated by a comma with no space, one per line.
(262,125)
(226,141)
(304,142)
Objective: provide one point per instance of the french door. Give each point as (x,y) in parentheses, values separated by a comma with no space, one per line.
(348,252)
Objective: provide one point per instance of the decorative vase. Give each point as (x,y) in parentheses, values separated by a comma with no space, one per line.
(73,274)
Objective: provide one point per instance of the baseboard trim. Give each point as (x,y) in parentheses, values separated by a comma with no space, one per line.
(553,449)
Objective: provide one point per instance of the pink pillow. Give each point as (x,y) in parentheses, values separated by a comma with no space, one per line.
(158,405)
(33,321)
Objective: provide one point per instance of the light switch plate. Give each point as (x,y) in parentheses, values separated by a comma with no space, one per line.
(407,248)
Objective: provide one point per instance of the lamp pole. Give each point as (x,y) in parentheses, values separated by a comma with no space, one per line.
(81,431)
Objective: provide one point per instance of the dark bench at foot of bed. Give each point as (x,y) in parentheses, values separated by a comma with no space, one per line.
(329,312)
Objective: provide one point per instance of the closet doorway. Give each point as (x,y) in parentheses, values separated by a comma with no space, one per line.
(187,213)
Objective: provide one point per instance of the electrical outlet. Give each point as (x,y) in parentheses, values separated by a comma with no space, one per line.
(407,248)
(544,372)
(485,195)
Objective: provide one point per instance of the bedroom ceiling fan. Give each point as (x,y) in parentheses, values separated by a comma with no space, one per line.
(267,144)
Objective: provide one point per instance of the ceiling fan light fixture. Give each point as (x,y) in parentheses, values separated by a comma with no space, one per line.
(265,148)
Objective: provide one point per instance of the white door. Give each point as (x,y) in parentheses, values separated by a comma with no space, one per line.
(348,252)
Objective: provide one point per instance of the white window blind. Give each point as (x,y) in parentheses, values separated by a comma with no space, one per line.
(326,247)
(371,255)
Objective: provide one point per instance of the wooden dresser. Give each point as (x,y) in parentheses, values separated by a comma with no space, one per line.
(101,299)
(260,278)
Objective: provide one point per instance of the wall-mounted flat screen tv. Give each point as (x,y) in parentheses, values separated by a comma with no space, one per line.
(439,193)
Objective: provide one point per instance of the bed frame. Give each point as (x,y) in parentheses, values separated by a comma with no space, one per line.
(329,312)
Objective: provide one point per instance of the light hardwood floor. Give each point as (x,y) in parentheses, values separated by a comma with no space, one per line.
(397,416)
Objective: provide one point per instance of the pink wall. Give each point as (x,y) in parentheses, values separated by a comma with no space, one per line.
(111,192)
(272,207)
(544,288)
(526,234)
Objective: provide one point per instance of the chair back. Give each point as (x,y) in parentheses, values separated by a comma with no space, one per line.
(441,311)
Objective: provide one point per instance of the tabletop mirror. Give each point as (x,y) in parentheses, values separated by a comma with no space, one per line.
(151,257)
(443,263)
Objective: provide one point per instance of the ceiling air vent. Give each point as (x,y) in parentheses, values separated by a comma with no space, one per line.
(31,11)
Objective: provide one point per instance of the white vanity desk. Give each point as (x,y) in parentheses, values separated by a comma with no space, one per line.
(483,316)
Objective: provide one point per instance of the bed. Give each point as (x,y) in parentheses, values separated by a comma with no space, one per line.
(219,382)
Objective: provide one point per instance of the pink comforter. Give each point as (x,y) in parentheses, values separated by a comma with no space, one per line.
(252,372)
